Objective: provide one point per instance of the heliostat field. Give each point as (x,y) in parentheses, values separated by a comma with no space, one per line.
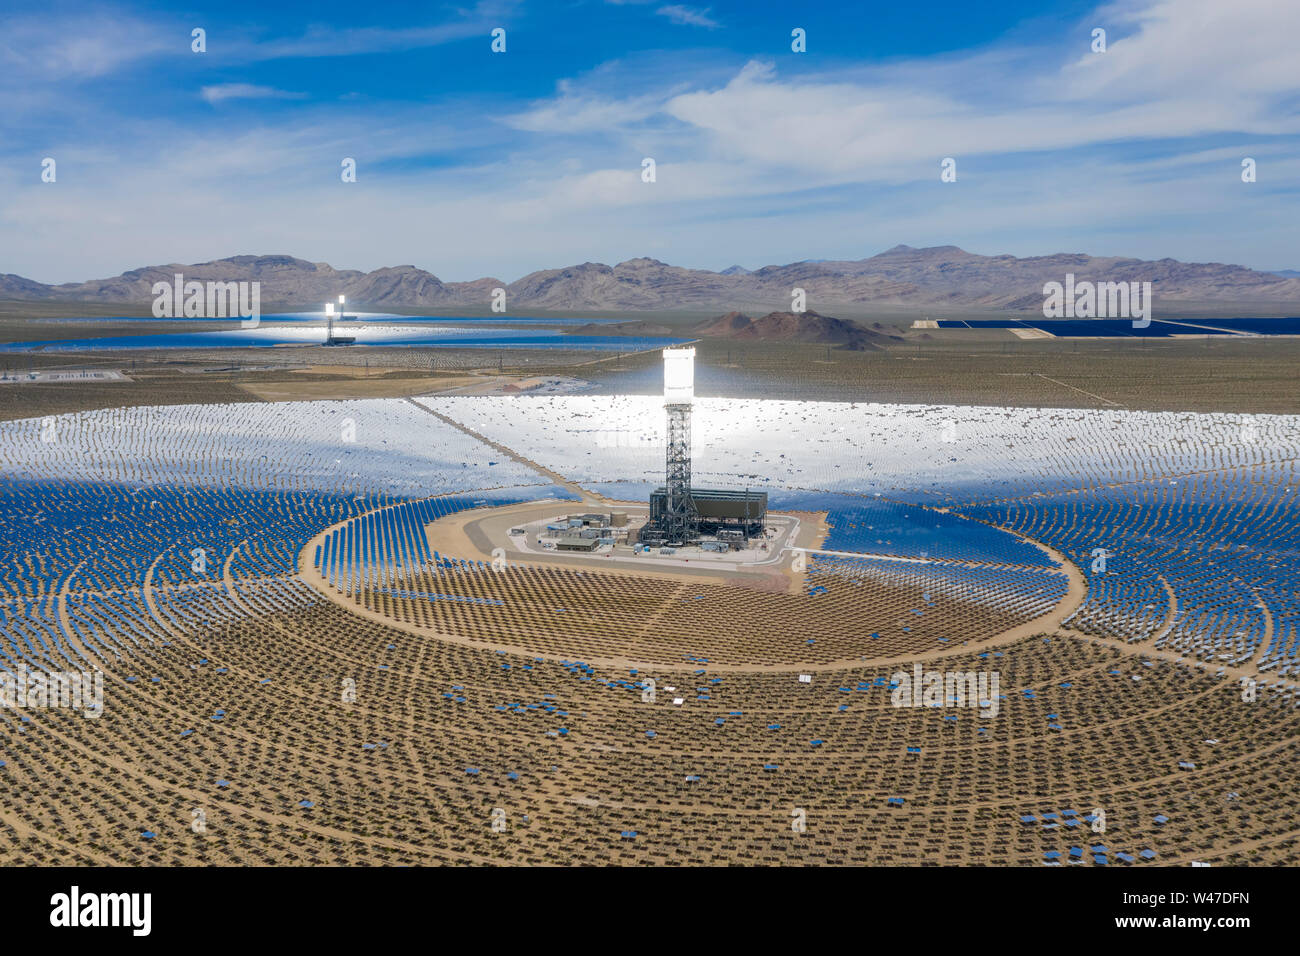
(998,636)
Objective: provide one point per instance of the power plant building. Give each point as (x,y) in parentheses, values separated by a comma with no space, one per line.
(719,513)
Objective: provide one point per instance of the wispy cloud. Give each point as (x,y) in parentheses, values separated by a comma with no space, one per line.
(689,16)
(50,48)
(96,43)
(333,42)
(245,91)
(575,110)
(324,40)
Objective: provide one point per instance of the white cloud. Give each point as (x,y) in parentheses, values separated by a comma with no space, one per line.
(1149,86)
(761,165)
(1182,51)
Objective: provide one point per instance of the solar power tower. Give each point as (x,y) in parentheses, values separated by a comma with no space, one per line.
(680,521)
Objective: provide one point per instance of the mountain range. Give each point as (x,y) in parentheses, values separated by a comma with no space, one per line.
(938,277)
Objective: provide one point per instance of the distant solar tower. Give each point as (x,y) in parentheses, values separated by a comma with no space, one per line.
(680,520)
(330,337)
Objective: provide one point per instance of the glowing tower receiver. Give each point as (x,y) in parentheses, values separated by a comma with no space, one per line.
(679,376)
(680,520)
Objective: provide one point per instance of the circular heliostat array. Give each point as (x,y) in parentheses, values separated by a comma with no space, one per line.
(828,608)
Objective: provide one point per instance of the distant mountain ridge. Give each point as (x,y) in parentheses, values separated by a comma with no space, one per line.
(937,277)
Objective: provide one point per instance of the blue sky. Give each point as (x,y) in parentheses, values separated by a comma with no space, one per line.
(472,163)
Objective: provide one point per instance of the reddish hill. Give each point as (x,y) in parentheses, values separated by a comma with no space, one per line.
(812,327)
(731,325)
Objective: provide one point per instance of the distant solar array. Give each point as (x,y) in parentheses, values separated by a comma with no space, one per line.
(1124,328)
